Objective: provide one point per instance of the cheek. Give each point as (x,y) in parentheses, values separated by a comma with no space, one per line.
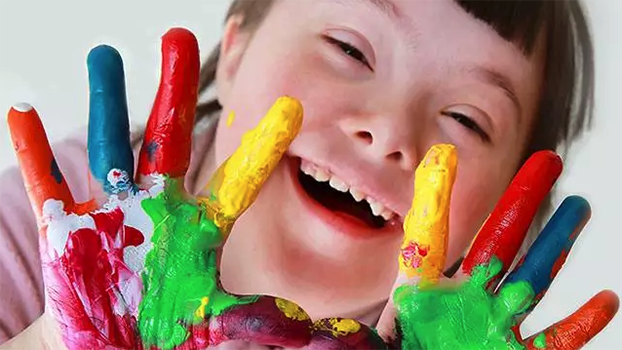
(261,80)
(473,198)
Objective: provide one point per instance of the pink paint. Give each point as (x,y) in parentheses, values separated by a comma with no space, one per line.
(94,294)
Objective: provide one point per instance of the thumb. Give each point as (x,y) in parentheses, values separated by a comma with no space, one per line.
(423,251)
(236,184)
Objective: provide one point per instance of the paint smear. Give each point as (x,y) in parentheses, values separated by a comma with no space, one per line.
(465,316)
(426,225)
(93,294)
(180,277)
(230,118)
(237,182)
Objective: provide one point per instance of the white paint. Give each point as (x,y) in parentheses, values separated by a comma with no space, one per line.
(136,217)
(60,224)
(22,107)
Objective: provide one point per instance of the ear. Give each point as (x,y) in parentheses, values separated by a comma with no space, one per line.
(232,47)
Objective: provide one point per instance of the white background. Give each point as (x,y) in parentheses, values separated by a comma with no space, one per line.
(43,46)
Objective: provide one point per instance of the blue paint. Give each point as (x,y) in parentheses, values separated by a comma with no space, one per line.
(556,239)
(55,172)
(151,148)
(109,130)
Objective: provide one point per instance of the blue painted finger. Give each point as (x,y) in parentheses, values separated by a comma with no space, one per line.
(110,154)
(548,253)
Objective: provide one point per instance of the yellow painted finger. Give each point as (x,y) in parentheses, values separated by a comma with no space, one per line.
(426,226)
(237,182)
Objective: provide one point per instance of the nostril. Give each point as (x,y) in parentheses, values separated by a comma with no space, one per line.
(365,136)
(396,156)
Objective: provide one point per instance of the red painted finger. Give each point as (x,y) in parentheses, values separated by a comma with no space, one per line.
(267,321)
(167,144)
(344,334)
(577,329)
(503,233)
(40,171)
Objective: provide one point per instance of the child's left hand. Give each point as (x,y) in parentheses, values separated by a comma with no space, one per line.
(472,311)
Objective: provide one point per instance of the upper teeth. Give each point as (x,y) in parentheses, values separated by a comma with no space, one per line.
(323,175)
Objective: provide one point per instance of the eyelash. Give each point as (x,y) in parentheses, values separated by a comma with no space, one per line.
(350,50)
(468,123)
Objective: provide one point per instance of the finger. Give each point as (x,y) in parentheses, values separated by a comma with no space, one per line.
(110,154)
(266,321)
(167,144)
(343,334)
(42,177)
(548,253)
(502,234)
(579,328)
(237,182)
(426,227)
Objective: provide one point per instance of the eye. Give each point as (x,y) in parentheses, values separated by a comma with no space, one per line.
(349,50)
(468,123)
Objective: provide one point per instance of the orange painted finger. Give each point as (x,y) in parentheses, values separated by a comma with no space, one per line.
(238,181)
(577,329)
(40,171)
(503,233)
(426,226)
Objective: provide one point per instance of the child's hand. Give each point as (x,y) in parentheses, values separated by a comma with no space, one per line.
(472,311)
(139,271)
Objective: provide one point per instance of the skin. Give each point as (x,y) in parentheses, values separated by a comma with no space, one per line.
(393,99)
(401,118)
(92,289)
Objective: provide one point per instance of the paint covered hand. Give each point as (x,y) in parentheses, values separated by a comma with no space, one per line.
(139,271)
(471,311)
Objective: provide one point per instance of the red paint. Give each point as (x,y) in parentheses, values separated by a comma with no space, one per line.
(504,231)
(324,339)
(584,324)
(260,323)
(559,263)
(83,285)
(35,158)
(414,253)
(166,149)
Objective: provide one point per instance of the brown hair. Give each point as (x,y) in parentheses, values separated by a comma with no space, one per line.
(566,107)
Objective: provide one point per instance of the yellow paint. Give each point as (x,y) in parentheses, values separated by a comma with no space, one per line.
(230,118)
(291,310)
(339,327)
(427,222)
(237,182)
(200,312)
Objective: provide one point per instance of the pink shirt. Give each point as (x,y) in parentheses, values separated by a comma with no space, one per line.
(21,285)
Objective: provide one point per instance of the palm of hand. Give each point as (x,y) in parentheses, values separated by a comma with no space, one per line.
(140,270)
(472,310)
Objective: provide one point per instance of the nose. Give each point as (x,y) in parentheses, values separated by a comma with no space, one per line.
(387,140)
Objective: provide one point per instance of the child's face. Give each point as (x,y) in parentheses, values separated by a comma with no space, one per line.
(380,83)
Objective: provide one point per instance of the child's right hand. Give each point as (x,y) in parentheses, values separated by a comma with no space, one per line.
(139,271)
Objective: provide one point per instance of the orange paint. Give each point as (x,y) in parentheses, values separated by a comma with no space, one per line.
(577,329)
(40,171)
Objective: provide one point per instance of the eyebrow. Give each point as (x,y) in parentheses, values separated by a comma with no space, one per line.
(500,81)
(386,7)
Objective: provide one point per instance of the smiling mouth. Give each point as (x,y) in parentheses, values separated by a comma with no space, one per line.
(335,195)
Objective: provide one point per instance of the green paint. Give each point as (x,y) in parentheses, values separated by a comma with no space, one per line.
(540,341)
(180,270)
(464,316)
